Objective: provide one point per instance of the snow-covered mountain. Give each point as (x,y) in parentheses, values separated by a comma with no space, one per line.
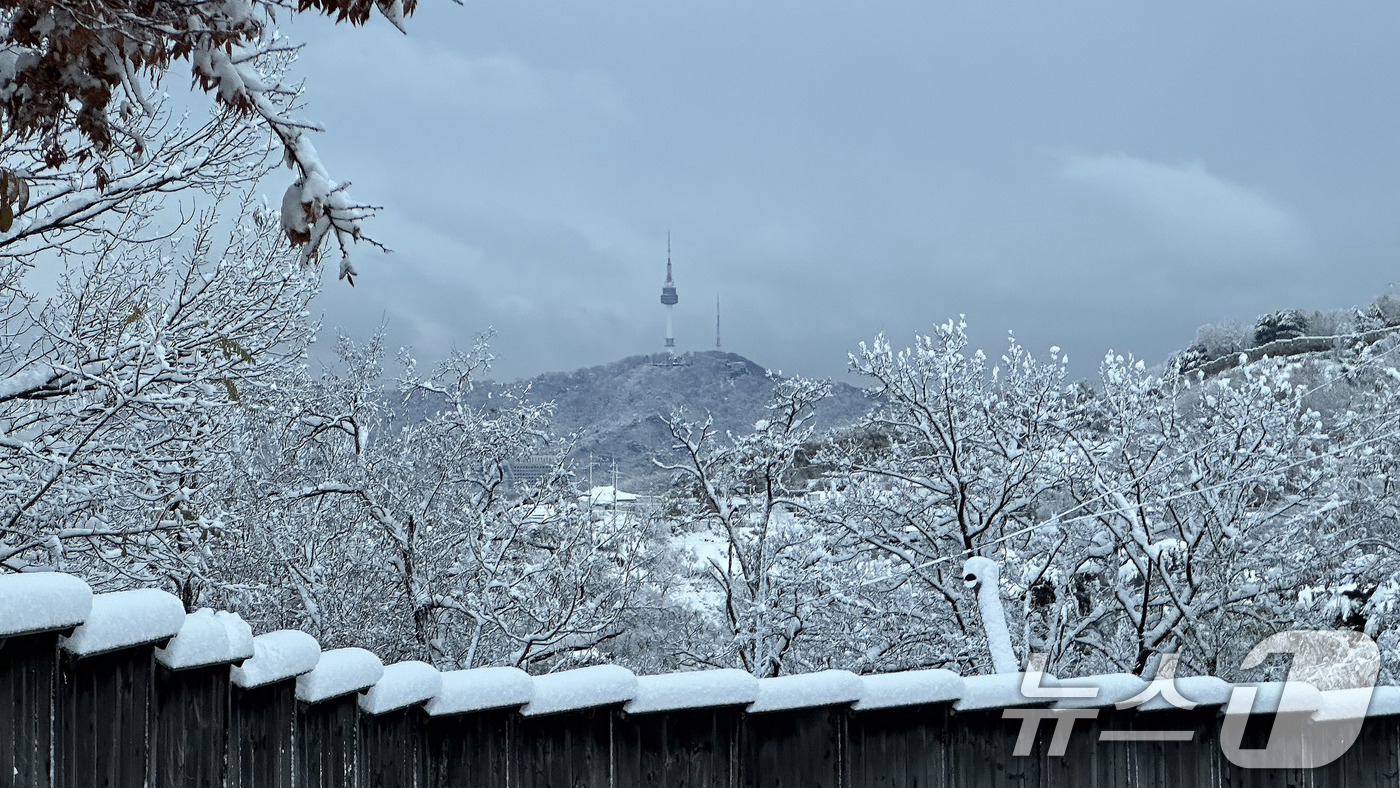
(617,409)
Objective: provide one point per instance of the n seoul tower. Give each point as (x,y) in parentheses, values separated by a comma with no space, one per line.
(669,299)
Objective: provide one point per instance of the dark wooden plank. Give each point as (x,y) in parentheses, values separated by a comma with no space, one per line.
(471,750)
(28,674)
(104,723)
(192,710)
(1168,764)
(1373,759)
(898,747)
(692,748)
(261,733)
(981,747)
(786,749)
(328,742)
(393,749)
(1088,760)
(568,750)
(1257,734)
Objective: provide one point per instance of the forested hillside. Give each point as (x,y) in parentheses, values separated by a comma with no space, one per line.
(618,411)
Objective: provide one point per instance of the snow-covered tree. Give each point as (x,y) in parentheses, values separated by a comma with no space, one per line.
(120,393)
(768,593)
(970,459)
(1196,506)
(133,323)
(86,129)
(392,520)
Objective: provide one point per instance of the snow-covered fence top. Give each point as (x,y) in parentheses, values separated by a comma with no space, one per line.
(405,723)
(99,623)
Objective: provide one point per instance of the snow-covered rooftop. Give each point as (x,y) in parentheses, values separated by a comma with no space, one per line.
(1350,704)
(479,689)
(826,688)
(278,656)
(695,689)
(208,638)
(1198,690)
(570,690)
(1274,697)
(123,619)
(910,688)
(607,496)
(339,672)
(42,602)
(403,684)
(1001,690)
(1109,689)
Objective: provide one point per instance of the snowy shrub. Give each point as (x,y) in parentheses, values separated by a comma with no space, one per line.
(1224,338)
(1387,308)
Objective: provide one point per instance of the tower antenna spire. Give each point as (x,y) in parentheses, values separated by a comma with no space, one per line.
(718,346)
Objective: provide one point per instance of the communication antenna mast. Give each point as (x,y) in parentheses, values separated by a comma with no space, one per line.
(718,346)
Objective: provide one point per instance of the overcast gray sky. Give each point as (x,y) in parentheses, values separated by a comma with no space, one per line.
(1093,175)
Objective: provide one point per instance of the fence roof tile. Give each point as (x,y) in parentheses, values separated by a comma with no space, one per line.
(208,638)
(480,689)
(42,602)
(1110,688)
(339,672)
(1000,690)
(123,619)
(1200,690)
(692,690)
(1270,697)
(826,688)
(909,688)
(570,690)
(278,656)
(403,684)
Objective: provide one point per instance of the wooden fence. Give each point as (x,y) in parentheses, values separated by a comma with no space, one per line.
(124,717)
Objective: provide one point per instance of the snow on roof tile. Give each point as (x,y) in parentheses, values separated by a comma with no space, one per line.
(480,689)
(240,635)
(277,656)
(1268,697)
(1000,690)
(1356,703)
(1385,702)
(339,672)
(693,690)
(584,688)
(208,638)
(42,602)
(1110,688)
(1200,690)
(806,690)
(910,688)
(123,619)
(403,684)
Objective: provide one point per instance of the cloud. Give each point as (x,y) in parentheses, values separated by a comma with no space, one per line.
(1190,208)
(415,73)
(506,85)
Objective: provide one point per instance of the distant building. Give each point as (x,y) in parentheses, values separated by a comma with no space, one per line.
(610,496)
(530,472)
(669,360)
